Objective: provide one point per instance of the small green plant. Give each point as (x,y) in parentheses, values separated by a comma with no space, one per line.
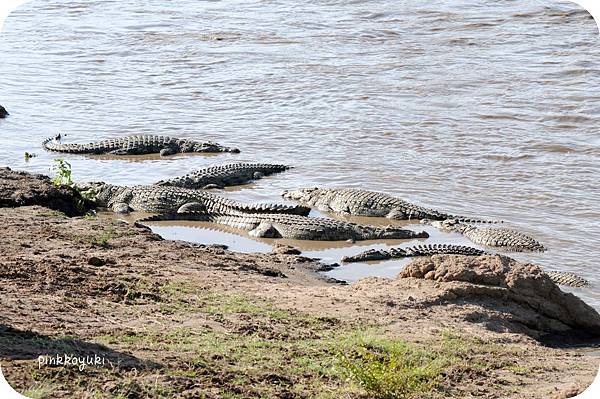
(62,169)
(29,155)
(103,239)
(63,177)
(90,215)
(390,369)
(38,392)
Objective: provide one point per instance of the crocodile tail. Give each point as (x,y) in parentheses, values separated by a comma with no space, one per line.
(273,208)
(45,144)
(448,249)
(567,279)
(465,219)
(196,216)
(49,144)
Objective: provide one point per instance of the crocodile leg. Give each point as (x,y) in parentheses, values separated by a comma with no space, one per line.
(166,152)
(121,207)
(191,207)
(396,214)
(265,230)
(120,151)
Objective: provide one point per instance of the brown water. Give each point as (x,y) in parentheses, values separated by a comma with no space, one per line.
(485,108)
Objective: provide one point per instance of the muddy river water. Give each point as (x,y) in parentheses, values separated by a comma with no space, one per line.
(483,108)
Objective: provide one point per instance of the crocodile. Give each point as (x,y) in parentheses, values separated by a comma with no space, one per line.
(507,239)
(358,202)
(136,145)
(3,112)
(417,250)
(159,199)
(219,176)
(560,278)
(295,227)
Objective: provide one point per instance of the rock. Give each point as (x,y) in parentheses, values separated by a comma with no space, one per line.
(569,392)
(3,112)
(95,261)
(25,189)
(221,247)
(532,297)
(285,250)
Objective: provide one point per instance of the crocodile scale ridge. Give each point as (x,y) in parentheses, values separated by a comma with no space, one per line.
(417,250)
(568,279)
(165,199)
(219,176)
(358,202)
(499,237)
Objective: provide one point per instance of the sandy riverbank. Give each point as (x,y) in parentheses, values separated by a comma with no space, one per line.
(176,319)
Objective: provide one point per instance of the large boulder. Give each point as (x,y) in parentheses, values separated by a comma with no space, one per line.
(541,304)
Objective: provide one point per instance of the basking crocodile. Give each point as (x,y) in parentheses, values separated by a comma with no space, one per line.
(417,250)
(3,112)
(137,145)
(507,239)
(219,176)
(159,199)
(294,226)
(352,201)
(559,278)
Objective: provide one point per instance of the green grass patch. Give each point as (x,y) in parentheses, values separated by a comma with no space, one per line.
(38,391)
(103,238)
(388,368)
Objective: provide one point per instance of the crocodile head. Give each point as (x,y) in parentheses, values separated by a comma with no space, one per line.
(300,194)
(98,192)
(392,232)
(208,146)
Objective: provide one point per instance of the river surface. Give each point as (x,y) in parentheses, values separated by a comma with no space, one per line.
(483,108)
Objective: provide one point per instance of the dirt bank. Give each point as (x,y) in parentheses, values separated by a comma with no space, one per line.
(176,319)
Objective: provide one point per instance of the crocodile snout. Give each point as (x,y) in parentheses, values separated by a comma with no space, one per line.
(298,193)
